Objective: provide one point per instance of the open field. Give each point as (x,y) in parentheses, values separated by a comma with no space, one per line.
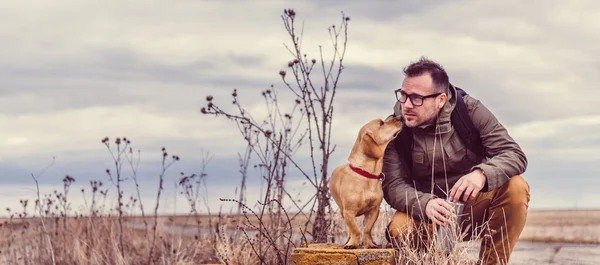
(566,226)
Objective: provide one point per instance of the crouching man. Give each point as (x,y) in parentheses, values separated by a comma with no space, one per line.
(452,147)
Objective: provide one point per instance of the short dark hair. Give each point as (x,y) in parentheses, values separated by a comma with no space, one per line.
(435,70)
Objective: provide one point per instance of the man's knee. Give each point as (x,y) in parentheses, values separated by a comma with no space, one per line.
(514,192)
(403,230)
(518,188)
(400,223)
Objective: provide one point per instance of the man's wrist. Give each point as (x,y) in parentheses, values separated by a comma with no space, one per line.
(431,198)
(482,173)
(483,176)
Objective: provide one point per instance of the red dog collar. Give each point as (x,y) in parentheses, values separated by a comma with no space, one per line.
(365,173)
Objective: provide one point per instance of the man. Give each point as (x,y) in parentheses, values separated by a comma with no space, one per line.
(495,196)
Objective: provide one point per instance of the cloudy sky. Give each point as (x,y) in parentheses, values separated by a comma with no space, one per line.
(74,72)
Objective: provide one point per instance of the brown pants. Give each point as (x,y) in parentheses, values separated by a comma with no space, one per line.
(497,217)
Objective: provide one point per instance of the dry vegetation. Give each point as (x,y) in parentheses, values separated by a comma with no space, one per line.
(230,240)
(94,241)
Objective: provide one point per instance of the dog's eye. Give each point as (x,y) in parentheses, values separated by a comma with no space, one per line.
(380,123)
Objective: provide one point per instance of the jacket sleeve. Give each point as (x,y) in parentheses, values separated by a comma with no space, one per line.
(505,158)
(398,188)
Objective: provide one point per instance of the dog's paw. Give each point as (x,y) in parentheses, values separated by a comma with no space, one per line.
(373,246)
(351,246)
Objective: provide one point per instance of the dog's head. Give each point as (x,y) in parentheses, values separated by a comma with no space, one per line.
(374,136)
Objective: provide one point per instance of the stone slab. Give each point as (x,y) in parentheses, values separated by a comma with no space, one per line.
(322,254)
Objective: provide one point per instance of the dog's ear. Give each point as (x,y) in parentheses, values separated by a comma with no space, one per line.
(369,147)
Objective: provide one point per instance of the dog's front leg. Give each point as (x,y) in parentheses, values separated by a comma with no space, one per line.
(369,222)
(353,230)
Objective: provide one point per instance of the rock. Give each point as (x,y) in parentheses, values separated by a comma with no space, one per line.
(317,254)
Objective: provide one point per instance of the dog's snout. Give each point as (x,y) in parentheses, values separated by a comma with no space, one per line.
(400,118)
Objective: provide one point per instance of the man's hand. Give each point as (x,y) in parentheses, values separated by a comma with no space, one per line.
(468,186)
(439,211)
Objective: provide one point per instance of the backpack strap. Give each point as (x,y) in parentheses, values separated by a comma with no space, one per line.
(404,145)
(463,125)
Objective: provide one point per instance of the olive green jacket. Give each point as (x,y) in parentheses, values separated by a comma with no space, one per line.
(440,157)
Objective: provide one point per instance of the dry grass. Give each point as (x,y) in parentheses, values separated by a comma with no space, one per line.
(87,240)
(428,252)
(95,241)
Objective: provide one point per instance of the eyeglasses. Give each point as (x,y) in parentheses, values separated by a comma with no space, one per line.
(416,100)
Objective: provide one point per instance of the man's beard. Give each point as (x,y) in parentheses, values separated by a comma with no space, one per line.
(431,120)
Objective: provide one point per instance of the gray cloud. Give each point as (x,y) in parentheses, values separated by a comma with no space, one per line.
(133,80)
(368,78)
(381,11)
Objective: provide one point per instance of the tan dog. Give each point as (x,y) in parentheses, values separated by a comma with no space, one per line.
(356,187)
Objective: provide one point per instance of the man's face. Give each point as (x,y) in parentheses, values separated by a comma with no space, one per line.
(418,115)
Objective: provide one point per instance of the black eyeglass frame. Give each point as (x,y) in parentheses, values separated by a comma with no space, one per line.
(398,97)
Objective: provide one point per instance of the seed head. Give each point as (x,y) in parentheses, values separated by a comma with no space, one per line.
(209,98)
(268,133)
(290,12)
(282,73)
(290,64)
(314,61)
(297,101)
(203,110)
(347,18)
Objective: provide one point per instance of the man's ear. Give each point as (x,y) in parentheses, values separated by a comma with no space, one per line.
(442,100)
(369,147)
